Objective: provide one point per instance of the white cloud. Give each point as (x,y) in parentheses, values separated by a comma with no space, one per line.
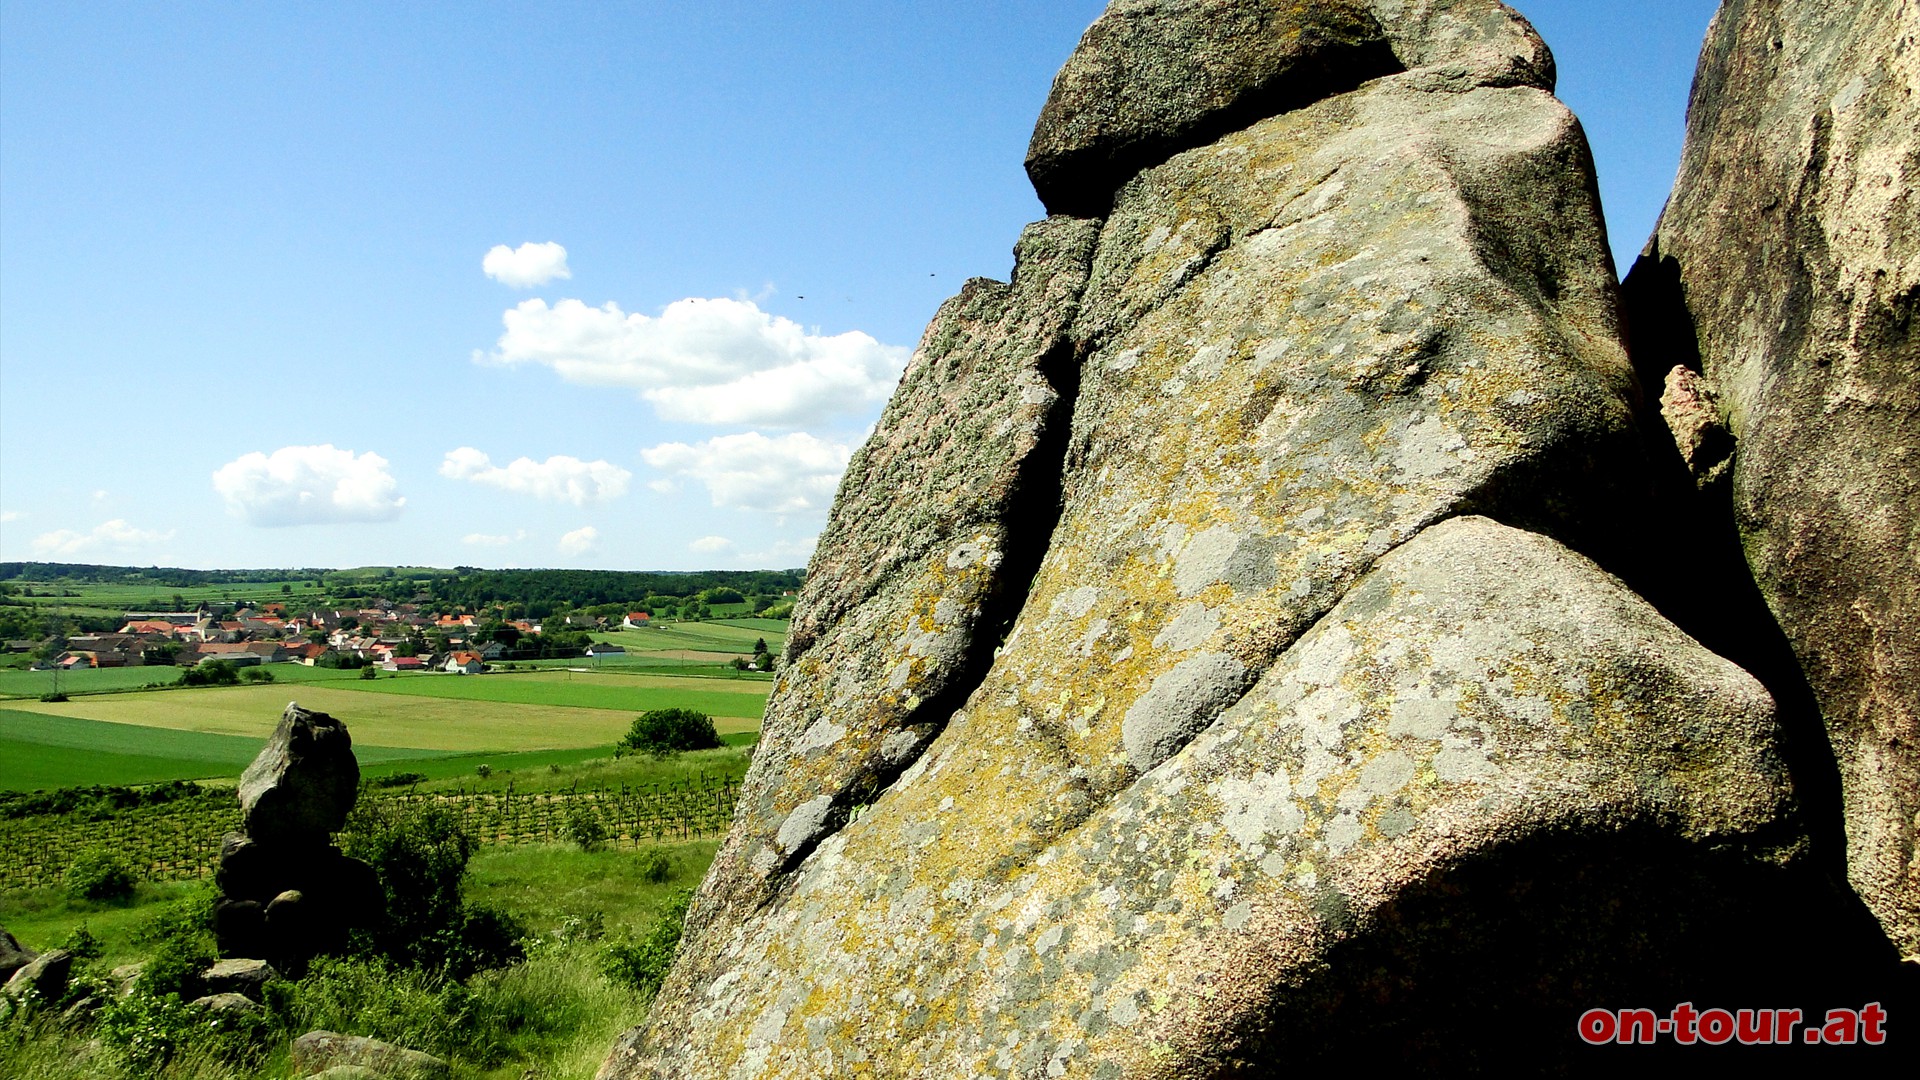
(793,474)
(711,545)
(115,534)
(782,553)
(580,541)
(489,540)
(100,495)
(567,479)
(527,265)
(11,515)
(309,485)
(715,361)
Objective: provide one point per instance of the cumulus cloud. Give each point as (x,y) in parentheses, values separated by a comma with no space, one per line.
(711,545)
(567,479)
(793,474)
(491,540)
(580,541)
(715,361)
(527,265)
(115,534)
(11,515)
(782,553)
(309,485)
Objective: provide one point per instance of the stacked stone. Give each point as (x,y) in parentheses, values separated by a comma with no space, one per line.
(287,894)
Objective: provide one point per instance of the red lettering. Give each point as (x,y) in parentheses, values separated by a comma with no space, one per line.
(1756,1026)
(1871,1018)
(1784,1021)
(1842,1027)
(1597,1026)
(1638,1025)
(1716,1026)
(1683,1020)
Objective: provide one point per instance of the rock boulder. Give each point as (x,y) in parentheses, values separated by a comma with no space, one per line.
(303,784)
(1783,281)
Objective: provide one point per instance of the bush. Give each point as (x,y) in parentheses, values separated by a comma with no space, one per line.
(148,1030)
(100,876)
(54,698)
(181,936)
(255,674)
(420,855)
(669,731)
(369,673)
(584,828)
(368,996)
(655,866)
(642,965)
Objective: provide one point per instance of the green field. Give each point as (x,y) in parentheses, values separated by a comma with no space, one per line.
(583,689)
(409,723)
(720,637)
(32,684)
(43,751)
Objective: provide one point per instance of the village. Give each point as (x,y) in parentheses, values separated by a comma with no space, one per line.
(382,636)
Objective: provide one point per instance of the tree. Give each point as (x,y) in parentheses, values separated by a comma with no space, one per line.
(668,731)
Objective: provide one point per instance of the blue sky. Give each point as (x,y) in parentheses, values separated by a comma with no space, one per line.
(247,318)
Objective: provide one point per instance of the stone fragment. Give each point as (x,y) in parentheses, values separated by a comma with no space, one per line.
(13,955)
(318,1051)
(227,1003)
(1786,270)
(238,976)
(45,975)
(126,977)
(304,782)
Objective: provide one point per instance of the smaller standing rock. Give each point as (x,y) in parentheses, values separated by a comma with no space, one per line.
(320,1051)
(303,783)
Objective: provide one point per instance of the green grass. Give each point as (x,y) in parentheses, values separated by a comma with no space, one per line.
(625,693)
(734,637)
(40,751)
(32,684)
(118,596)
(43,918)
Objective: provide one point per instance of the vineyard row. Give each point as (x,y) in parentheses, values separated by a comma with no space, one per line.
(182,842)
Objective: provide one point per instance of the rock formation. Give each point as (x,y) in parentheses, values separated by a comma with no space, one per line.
(287,894)
(1783,279)
(1215,658)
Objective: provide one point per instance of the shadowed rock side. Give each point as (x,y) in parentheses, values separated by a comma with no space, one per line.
(928,553)
(1783,279)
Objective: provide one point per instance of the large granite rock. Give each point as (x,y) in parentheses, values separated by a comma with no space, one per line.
(303,784)
(1783,280)
(1309,735)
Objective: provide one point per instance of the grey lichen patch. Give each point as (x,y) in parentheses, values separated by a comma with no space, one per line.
(805,824)
(1178,705)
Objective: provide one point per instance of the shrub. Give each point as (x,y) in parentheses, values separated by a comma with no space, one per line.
(181,936)
(655,866)
(53,698)
(255,674)
(82,944)
(484,770)
(99,876)
(584,828)
(148,1030)
(642,965)
(668,731)
(369,673)
(420,855)
(399,779)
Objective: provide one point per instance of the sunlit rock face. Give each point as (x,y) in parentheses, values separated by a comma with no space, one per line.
(1783,278)
(1206,668)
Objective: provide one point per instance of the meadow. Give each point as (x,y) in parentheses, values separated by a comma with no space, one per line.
(15,682)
